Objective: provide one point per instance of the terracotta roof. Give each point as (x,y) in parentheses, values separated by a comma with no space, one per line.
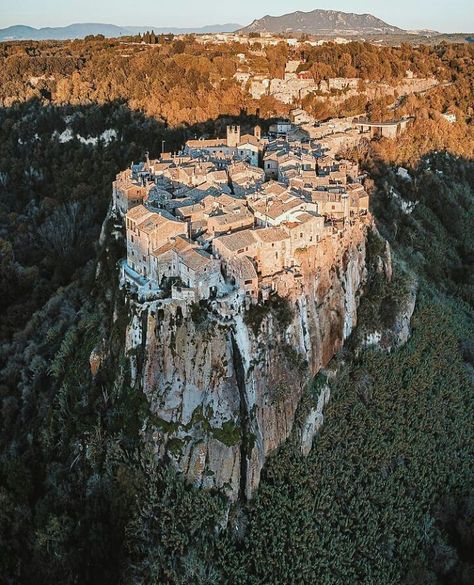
(304,216)
(134,191)
(230,218)
(223,200)
(163,249)
(188,210)
(249,139)
(355,187)
(156,220)
(202,191)
(277,207)
(218,176)
(161,166)
(245,267)
(196,260)
(326,161)
(238,240)
(138,212)
(211,143)
(272,187)
(271,234)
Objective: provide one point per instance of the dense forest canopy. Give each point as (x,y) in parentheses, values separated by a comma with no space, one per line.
(386,495)
(185,82)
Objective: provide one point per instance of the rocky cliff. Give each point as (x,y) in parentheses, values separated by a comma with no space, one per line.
(224,379)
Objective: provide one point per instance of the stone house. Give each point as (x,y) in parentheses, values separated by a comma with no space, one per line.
(270,165)
(250,149)
(272,250)
(359,199)
(332,204)
(162,258)
(236,244)
(238,219)
(326,165)
(300,116)
(127,193)
(147,231)
(241,272)
(281,128)
(274,211)
(197,270)
(390,129)
(305,229)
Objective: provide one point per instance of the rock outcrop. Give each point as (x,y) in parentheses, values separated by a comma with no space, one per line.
(224,379)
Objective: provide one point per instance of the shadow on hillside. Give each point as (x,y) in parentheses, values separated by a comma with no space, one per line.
(57,164)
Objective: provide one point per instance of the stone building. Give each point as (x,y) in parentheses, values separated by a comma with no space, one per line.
(229,222)
(258,229)
(390,129)
(197,270)
(147,231)
(127,192)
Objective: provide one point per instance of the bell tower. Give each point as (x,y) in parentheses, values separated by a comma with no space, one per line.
(233,136)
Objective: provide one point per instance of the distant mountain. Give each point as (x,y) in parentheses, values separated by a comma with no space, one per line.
(322,22)
(81,30)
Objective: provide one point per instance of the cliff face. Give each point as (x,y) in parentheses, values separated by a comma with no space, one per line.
(224,381)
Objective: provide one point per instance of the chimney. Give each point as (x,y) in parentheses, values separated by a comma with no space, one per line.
(257,131)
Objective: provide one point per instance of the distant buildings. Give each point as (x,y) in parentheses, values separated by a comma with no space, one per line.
(390,129)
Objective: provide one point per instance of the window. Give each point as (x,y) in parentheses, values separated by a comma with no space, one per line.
(248,282)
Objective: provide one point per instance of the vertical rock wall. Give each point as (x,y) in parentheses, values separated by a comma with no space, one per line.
(224,392)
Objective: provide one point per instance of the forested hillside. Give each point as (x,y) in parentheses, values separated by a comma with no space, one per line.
(385,496)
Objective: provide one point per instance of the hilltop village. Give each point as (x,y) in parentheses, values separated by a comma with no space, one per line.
(233,215)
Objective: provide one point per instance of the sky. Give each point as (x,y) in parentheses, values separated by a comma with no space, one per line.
(442,15)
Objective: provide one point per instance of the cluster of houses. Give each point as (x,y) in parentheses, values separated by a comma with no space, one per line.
(232,214)
(266,39)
